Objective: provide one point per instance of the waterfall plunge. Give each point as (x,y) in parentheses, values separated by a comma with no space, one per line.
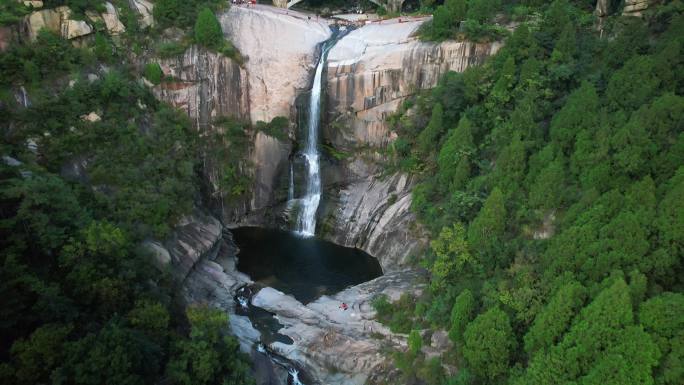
(306,222)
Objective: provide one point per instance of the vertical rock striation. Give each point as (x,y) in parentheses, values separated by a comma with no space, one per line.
(376,67)
(371,72)
(205,85)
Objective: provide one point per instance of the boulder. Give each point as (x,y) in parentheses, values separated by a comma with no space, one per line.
(57,20)
(49,19)
(110,18)
(72,29)
(91,117)
(34,4)
(635,7)
(195,236)
(144,9)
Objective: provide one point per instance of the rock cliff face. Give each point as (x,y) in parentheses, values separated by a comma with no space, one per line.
(376,67)
(280,49)
(269,159)
(194,237)
(373,213)
(206,85)
(371,71)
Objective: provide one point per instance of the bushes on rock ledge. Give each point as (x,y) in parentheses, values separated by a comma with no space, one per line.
(208,31)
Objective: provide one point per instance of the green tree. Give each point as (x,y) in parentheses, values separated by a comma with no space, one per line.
(457,9)
(115,354)
(624,92)
(153,73)
(48,208)
(208,31)
(461,314)
(482,10)
(453,256)
(487,229)
(662,317)
(429,137)
(489,344)
(670,222)
(566,46)
(210,355)
(454,156)
(632,148)
(579,113)
(151,317)
(40,354)
(547,191)
(603,346)
(511,163)
(415,342)
(555,318)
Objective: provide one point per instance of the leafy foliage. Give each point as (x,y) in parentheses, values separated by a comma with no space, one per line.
(552,189)
(208,31)
(91,168)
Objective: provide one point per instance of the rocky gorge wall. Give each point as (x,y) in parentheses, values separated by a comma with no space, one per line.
(370,72)
(279,51)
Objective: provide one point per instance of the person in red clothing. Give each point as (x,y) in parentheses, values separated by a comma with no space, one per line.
(344,306)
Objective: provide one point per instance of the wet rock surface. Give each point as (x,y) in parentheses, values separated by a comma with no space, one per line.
(327,344)
(373,213)
(339,346)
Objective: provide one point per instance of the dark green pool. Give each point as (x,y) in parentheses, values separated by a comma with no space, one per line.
(304,267)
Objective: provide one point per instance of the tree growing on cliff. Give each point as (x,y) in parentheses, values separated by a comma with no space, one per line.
(208,31)
(428,138)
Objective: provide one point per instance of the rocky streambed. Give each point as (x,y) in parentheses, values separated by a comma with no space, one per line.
(326,344)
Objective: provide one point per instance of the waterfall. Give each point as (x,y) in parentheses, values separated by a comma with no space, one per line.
(306,222)
(290,189)
(295,376)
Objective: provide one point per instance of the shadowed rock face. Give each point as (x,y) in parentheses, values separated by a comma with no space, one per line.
(371,71)
(205,85)
(373,213)
(195,237)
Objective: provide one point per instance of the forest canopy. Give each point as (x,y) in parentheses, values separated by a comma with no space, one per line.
(554,201)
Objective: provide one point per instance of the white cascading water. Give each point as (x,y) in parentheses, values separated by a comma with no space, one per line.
(295,376)
(290,189)
(306,223)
